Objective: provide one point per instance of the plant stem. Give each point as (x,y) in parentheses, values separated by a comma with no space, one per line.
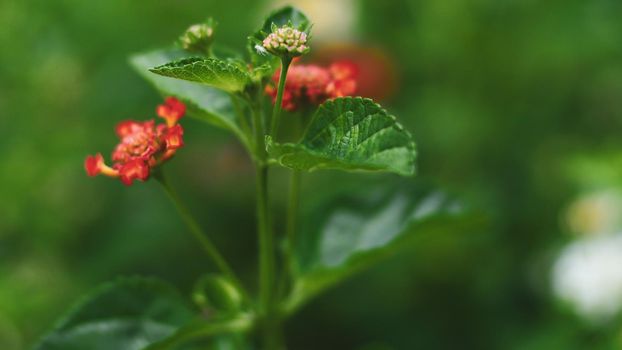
(276,112)
(292,217)
(270,322)
(239,111)
(266,244)
(292,210)
(194,228)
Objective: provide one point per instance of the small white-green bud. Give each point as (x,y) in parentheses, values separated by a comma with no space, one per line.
(199,37)
(286,41)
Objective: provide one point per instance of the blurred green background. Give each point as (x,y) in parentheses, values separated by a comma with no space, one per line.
(516,105)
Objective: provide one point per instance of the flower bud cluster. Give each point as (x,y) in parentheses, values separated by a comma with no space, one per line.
(199,37)
(286,41)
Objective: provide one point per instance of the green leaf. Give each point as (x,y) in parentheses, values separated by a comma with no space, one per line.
(128,314)
(286,15)
(349,133)
(205,103)
(348,233)
(211,330)
(209,71)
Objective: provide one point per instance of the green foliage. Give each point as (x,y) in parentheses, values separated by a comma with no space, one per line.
(347,233)
(203,102)
(350,134)
(128,314)
(209,71)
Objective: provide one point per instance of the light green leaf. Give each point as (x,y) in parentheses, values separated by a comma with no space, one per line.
(203,102)
(209,71)
(349,133)
(348,233)
(128,314)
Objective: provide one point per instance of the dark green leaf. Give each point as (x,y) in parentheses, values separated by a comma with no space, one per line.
(209,71)
(208,331)
(128,314)
(348,233)
(349,133)
(204,103)
(286,15)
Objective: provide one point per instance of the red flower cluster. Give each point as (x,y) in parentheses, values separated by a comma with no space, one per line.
(143,145)
(312,84)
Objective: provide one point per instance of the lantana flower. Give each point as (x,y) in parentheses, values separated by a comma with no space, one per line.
(313,84)
(143,145)
(286,41)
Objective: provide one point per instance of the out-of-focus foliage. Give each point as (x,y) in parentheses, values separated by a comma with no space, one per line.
(127,314)
(515,104)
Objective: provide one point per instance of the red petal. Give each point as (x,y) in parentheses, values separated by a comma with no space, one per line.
(174,137)
(126,127)
(172,110)
(132,170)
(92,164)
(176,105)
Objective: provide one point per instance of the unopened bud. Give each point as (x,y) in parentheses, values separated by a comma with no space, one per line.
(199,37)
(286,41)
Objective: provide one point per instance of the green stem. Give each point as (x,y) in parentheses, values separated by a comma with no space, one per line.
(264,229)
(276,112)
(239,111)
(292,208)
(270,322)
(266,240)
(194,228)
(292,216)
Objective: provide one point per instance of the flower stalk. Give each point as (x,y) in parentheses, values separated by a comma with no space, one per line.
(292,217)
(276,111)
(206,244)
(269,320)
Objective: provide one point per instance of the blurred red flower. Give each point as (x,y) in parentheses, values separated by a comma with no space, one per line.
(313,84)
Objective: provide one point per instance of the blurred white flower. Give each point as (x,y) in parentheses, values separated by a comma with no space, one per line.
(588,275)
(596,213)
